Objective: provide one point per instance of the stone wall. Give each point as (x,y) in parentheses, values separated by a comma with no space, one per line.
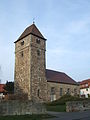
(22,67)
(30,68)
(38,67)
(73,89)
(18,107)
(77,106)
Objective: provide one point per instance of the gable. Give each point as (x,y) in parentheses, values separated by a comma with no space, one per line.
(31,30)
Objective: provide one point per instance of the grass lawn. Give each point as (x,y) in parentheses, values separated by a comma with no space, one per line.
(56,108)
(26,117)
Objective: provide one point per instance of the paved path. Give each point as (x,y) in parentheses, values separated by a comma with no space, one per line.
(83,115)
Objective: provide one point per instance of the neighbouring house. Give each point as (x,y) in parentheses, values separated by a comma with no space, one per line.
(85,88)
(2,91)
(31,76)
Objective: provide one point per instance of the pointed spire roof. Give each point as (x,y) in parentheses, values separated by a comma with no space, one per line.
(31,30)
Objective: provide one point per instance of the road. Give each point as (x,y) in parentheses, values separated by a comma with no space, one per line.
(82,115)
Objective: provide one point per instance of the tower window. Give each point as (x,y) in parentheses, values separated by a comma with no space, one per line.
(38,52)
(22,54)
(22,43)
(39,79)
(38,93)
(38,40)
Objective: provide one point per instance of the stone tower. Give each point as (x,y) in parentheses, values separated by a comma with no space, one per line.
(30,64)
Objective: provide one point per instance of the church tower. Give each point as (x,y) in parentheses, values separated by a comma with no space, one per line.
(30,64)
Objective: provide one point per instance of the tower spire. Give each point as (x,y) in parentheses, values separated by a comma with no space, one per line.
(33,20)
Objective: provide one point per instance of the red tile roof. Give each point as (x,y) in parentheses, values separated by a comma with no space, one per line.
(1,88)
(59,77)
(85,81)
(31,30)
(85,84)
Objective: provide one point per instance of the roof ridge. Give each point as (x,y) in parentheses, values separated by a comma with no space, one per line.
(60,77)
(32,29)
(55,71)
(83,81)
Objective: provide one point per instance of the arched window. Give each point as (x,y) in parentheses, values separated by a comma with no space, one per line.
(61,91)
(38,93)
(38,52)
(38,40)
(22,43)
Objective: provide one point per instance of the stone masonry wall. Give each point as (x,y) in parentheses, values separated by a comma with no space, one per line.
(38,67)
(16,107)
(74,89)
(74,106)
(22,67)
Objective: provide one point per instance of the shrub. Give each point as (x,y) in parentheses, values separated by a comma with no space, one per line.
(64,99)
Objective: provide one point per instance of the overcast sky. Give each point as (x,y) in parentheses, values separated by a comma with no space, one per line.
(65,24)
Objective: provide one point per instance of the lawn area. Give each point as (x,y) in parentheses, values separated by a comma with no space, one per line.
(26,117)
(56,108)
(60,104)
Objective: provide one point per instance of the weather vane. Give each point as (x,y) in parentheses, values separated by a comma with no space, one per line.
(33,20)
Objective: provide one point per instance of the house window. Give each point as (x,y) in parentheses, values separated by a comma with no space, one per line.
(88,95)
(52,90)
(86,89)
(61,90)
(38,40)
(68,91)
(38,52)
(86,84)
(22,43)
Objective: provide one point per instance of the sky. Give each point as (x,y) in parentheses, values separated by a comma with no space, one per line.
(64,23)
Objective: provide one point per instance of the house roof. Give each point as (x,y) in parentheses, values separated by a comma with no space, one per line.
(32,29)
(1,88)
(85,84)
(59,77)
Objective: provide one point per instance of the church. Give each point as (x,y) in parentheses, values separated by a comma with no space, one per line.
(31,76)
